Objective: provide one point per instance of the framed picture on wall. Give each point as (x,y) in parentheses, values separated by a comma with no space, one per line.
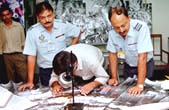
(92,15)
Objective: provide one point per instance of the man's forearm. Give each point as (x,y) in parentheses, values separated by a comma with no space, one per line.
(95,84)
(142,68)
(31,68)
(113,64)
(76,39)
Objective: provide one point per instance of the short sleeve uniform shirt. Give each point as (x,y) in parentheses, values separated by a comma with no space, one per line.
(137,41)
(45,45)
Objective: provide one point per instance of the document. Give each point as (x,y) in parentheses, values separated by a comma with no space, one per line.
(19,103)
(9,101)
(5,96)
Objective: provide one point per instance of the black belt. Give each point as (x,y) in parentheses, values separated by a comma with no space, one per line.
(12,53)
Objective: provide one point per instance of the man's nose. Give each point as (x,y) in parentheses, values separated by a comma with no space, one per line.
(47,19)
(121,29)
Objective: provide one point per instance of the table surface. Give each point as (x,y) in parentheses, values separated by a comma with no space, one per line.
(102,98)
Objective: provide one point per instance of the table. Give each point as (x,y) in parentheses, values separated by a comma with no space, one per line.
(102,98)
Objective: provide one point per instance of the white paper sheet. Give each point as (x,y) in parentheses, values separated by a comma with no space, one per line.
(19,103)
(5,96)
(14,102)
(152,106)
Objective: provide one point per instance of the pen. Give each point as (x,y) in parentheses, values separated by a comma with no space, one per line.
(60,35)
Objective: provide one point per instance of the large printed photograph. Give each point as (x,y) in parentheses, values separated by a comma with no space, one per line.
(92,15)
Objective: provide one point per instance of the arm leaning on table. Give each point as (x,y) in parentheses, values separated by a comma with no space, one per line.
(142,61)
(101,78)
(56,87)
(31,67)
(113,69)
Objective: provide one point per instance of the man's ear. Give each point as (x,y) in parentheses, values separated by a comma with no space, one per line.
(75,65)
(37,18)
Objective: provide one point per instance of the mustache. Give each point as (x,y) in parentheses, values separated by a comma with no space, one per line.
(47,22)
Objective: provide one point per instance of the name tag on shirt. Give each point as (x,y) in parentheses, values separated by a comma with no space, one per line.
(121,54)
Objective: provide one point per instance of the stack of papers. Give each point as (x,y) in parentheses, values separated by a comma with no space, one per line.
(164,85)
(10,101)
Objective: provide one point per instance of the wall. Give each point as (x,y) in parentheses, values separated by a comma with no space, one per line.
(160,19)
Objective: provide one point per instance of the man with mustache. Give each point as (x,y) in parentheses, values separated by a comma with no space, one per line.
(133,38)
(43,41)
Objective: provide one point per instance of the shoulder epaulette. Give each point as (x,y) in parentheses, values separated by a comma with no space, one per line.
(138,26)
(33,26)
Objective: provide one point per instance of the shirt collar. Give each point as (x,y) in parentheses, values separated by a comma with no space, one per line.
(55,26)
(13,24)
(130,32)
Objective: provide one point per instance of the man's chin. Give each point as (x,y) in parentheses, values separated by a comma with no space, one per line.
(123,34)
(48,26)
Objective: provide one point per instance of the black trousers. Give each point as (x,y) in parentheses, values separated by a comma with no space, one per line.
(131,71)
(3,75)
(45,75)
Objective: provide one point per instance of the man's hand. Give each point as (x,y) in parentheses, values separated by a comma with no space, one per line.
(86,89)
(56,89)
(113,82)
(136,90)
(25,86)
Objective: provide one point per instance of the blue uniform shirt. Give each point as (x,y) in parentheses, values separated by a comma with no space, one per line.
(46,45)
(137,41)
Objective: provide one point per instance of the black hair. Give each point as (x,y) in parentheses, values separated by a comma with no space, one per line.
(4,8)
(62,61)
(117,10)
(40,7)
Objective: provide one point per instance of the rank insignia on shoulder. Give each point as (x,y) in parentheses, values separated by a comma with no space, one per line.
(33,26)
(138,27)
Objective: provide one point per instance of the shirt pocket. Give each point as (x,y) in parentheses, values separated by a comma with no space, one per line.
(132,48)
(60,37)
(42,47)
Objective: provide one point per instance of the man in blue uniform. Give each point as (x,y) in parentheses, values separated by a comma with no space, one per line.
(133,38)
(43,41)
